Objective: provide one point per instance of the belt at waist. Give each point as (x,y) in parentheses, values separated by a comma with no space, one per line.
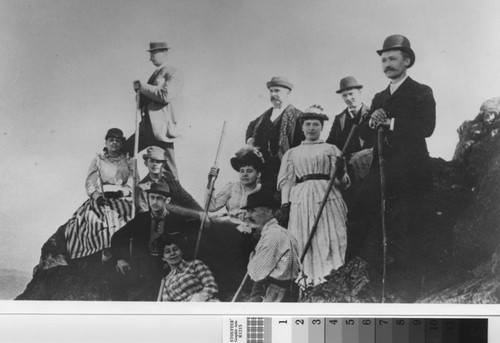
(313,177)
(281,283)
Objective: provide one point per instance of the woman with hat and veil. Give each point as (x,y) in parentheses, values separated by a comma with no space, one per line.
(303,180)
(109,205)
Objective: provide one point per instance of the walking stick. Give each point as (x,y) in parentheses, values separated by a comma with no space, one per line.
(136,147)
(162,284)
(325,197)
(210,190)
(381,161)
(240,288)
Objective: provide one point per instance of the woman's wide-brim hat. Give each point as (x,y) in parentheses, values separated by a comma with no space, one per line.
(158,46)
(115,133)
(159,188)
(155,153)
(398,42)
(313,112)
(347,83)
(247,156)
(261,198)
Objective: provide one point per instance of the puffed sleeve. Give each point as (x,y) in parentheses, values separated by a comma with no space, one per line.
(220,199)
(92,181)
(286,176)
(206,278)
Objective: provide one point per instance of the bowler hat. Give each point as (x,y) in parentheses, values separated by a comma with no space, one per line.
(159,188)
(398,42)
(261,198)
(348,82)
(313,112)
(279,81)
(155,153)
(158,46)
(114,133)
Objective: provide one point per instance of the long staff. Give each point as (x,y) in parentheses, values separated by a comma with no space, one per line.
(136,146)
(381,161)
(325,197)
(210,190)
(240,288)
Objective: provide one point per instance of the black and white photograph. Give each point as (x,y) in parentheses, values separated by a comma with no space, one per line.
(227,151)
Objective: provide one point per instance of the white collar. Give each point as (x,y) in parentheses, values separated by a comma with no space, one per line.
(394,86)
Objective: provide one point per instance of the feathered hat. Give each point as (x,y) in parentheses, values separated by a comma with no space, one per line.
(313,112)
(248,155)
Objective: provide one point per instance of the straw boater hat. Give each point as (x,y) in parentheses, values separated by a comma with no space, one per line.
(261,198)
(398,42)
(348,82)
(159,188)
(313,112)
(248,155)
(279,81)
(155,153)
(158,46)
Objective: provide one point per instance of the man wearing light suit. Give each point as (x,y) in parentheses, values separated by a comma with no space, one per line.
(160,101)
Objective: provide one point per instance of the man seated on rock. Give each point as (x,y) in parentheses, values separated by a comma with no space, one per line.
(182,201)
(134,246)
(274,264)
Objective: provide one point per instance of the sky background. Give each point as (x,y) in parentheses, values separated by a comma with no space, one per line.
(67,68)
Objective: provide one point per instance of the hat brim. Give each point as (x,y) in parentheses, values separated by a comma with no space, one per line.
(165,194)
(400,48)
(145,157)
(158,49)
(349,88)
(274,206)
(308,116)
(238,162)
(282,85)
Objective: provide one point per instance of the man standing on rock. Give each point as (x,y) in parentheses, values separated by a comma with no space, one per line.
(406,111)
(276,130)
(159,102)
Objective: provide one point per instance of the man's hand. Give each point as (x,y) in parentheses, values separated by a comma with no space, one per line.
(379,118)
(137,85)
(122,266)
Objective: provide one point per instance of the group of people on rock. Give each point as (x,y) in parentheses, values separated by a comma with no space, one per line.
(285,171)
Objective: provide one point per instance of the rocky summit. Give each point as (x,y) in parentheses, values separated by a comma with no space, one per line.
(461,235)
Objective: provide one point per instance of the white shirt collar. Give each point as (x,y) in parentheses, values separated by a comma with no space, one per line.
(277,111)
(394,86)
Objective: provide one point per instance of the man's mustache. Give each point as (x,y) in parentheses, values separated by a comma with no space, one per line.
(389,69)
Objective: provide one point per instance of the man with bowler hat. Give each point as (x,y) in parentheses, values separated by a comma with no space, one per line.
(276,130)
(355,113)
(160,101)
(135,246)
(406,110)
(274,264)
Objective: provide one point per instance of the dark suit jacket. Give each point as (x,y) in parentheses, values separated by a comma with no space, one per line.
(339,131)
(138,229)
(408,166)
(263,132)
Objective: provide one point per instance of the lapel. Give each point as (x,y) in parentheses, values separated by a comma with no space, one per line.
(155,74)
(402,89)
(342,117)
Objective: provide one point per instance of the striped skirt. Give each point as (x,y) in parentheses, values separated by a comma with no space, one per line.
(90,228)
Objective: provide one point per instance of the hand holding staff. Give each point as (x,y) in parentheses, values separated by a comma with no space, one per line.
(381,159)
(210,190)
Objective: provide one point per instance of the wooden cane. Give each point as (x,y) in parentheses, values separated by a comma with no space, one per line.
(162,284)
(325,197)
(136,147)
(240,288)
(381,161)
(210,190)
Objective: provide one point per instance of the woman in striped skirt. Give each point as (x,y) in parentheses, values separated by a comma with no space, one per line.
(303,180)
(109,206)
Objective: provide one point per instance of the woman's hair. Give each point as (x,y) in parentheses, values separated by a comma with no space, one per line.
(169,239)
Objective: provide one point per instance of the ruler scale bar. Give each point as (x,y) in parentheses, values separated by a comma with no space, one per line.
(268,329)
